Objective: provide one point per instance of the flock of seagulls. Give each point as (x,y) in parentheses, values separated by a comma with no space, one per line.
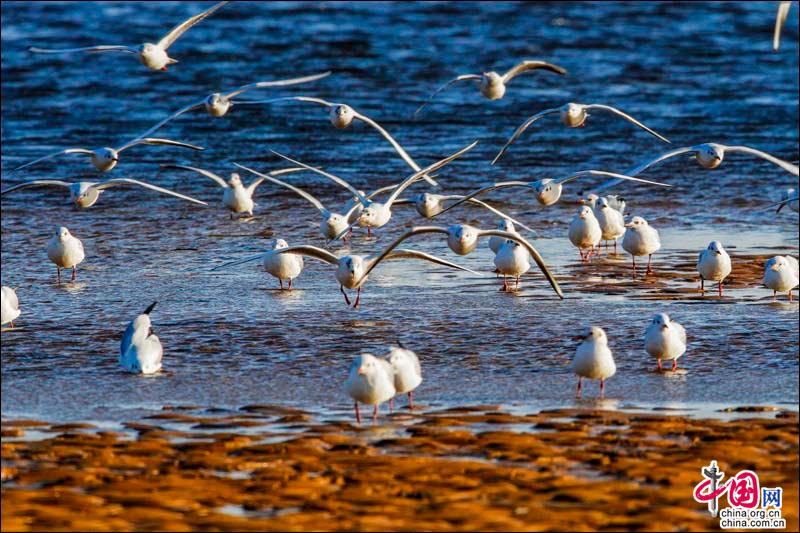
(374,380)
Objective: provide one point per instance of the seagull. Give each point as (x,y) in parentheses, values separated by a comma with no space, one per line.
(104,159)
(85,194)
(342,115)
(611,221)
(153,56)
(352,270)
(235,196)
(615,202)
(780,20)
(491,84)
(218,104)
(333,224)
(281,266)
(429,205)
(593,358)
(9,307)
(407,372)
(370,381)
(781,274)
(707,155)
(496,242)
(585,232)
(548,191)
(714,264)
(378,214)
(463,239)
(65,251)
(573,116)
(665,339)
(641,239)
(140,350)
(512,259)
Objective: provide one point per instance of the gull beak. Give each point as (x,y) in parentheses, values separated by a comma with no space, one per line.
(718,252)
(664,326)
(774,267)
(361,372)
(578,337)
(629,225)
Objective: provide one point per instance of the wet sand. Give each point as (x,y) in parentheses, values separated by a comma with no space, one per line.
(272,468)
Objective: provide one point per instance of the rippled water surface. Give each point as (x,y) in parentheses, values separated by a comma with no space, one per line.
(697,72)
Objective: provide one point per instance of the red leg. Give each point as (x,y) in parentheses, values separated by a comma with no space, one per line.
(375,412)
(358,414)
(633,258)
(281,282)
(358,298)
(649,261)
(790,295)
(411,400)
(615,246)
(674,365)
(602,387)
(773,292)
(659,363)
(391,405)
(720,288)
(74,272)
(580,385)
(12,324)
(58,272)
(516,287)
(702,285)
(346,299)
(290,283)
(504,288)
(369,231)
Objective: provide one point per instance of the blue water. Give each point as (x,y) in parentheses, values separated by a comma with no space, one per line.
(696,72)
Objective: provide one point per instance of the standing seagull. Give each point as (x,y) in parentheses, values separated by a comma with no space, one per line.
(104,159)
(593,359)
(281,266)
(585,232)
(235,196)
(140,350)
(573,116)
(641,239)
(65,251)
(611,221)
(9,306)
(493,85)
(512,259)
(342,115)
(780,20)
(407,372)
(218,104)
(370,381)
(153,56)
(781,274)
(665,339)
(714,264)
(85,194)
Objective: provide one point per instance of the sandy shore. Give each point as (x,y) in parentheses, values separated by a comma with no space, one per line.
(270,468)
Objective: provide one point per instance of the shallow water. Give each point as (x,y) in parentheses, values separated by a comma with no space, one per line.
(231,339)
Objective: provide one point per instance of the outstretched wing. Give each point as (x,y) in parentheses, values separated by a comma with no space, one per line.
(154,141)
(499,185)
(534,254)
(37,183)
(628,118)
(445,86)
(619,177)
(102,48)
(792,169)
(335,179)
(117,182)
(780,20)
(309,251)
(218,179)
(296,190)
(277,83)
(179,30)
(192,107)
(48,156)
(525,66)
(521,129)
(373,260)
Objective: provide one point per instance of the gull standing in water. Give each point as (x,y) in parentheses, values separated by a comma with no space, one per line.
(641,239)
(463,239)
(407,372)
(665,339)
(9,306)
(342,115)
(140,351)
(714,264)
(153,56)
(513,260)
(104,159)
(548,191)
(66,251)
(493,85)
(780,20)
(86,193)
(218,104)
(593,359)
(573,116)
(611,221)
(236,197)
(781,274)
(585,232)
(281,266)
(370,381)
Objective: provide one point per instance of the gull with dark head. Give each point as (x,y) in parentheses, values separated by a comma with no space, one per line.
(573,116)
(492,85)
(152,55)
(86,193)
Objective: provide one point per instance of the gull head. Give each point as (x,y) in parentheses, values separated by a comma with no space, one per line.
(506,225)
(661,320)
(573,115)
(62,233)
(350,271)
(374,215)
(333,225)
(593,334)
(236,180)
(400,358)
(85,195)
(365,365)
(602,203)
(104,159)
(636,222)
(590,200)
(585,212)
(548,191)
(342,115)
(217,105)
(154,57)
(427,204)
(710,155)
(277,244)
(778,263)
(715,247)
(462,239)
